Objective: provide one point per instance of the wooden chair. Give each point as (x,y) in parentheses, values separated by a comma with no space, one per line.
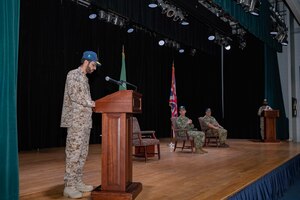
(209,135)
(144,141)
(181,135)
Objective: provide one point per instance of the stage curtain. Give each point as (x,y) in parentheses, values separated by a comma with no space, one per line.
(273,185)
(9,34)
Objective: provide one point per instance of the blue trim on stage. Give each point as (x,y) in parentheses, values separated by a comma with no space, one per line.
(273,185)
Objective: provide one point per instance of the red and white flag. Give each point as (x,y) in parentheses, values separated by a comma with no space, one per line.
(173,96)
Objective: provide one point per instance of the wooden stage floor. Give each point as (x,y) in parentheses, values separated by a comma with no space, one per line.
(176,176)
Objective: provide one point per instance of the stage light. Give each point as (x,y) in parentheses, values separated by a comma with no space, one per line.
(152,4)
(193,52)
(171,11)
(102,14)
(227,47)
(161,42)
(130,30)
(93,16)
(181,50)
(211,37)
(178,16)
(115,20)
(284,42)
(185,23)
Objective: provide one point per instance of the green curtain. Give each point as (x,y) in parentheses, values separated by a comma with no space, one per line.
(9,41)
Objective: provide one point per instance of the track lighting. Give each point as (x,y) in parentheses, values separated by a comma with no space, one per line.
(172,11)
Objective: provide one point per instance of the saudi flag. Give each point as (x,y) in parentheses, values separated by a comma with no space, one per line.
(123,71)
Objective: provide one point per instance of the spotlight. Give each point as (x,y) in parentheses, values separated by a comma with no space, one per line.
(92,16)
(171,11)
(108,18)
(181,50)
(152,4)
(274,30)
(161,42)
(284,42)
(130,30)
(253,8)
(185,23)
(178,16)
(211,37)
(227,47)
(193,52)
(93,12)
(164,6)
(116,20)
(102,14)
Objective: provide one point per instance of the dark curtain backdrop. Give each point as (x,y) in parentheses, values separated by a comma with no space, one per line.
(53,35)
(244,88)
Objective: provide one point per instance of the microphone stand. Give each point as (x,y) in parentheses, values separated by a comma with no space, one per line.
(125,82)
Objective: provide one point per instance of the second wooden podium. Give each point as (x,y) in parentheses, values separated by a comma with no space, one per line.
(116,172)
(270,125)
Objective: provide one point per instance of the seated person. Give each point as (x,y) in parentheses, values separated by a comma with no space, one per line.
(184,122)
(213,127)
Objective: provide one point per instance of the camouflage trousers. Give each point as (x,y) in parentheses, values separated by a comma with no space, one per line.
(221,132)
(77,147)
(262,128)
(199,138)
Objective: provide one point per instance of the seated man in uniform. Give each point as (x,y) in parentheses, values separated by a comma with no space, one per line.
(184,122)
(215,128)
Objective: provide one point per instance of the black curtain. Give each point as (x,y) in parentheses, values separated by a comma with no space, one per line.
(244,88)
(53,35)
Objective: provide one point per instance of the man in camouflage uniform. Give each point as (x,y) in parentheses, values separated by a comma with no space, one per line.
(262,120)
(184,122)
(76,116)
(213,127)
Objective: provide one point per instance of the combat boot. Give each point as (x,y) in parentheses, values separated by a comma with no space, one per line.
(198,151)
(83,187)
(72,192)
(203,150)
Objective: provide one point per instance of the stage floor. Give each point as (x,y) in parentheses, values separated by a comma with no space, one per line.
(176,176)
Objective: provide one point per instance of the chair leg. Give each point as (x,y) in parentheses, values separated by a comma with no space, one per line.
(183,145)
(145,153)
(192,145)
(175,146)
(158,151)
(206,142)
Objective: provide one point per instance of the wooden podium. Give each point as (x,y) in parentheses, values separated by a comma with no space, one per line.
(116,172)
(270,125)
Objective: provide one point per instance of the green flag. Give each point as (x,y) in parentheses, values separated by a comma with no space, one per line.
(123,71)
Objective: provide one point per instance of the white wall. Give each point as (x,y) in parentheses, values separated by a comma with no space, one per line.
(289,68)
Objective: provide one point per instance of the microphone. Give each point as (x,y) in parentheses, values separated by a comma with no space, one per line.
(107,78)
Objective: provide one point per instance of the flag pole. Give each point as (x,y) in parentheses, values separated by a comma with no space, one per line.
(173,102)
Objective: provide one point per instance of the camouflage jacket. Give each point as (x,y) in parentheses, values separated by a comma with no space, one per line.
(181,123)
(77,105)
(262,108)
(210,120)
